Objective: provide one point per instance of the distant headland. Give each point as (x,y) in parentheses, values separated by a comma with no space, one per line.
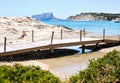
(95,16)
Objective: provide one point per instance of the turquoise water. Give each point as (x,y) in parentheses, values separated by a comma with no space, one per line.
(96,27)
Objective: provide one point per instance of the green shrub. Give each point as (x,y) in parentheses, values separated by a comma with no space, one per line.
(102,70)
(25,74)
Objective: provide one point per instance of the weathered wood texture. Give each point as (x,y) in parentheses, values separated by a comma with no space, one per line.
(103,34)
(32,35)
(5,40)
(84,33)
(61,34)
(80,35)
(52,37)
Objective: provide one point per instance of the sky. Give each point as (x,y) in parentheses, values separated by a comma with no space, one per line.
(60,8)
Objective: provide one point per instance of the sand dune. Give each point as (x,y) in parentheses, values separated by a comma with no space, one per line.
(19,30)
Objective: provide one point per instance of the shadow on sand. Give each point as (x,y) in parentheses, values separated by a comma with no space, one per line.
(45,54)
(101,46)
(35,55)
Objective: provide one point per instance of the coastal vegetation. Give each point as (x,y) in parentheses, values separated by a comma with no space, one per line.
(108,16)
(25,74)
(103,70)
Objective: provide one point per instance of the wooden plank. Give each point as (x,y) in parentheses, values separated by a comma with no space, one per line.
(23,50)
(111,41)
(75,43)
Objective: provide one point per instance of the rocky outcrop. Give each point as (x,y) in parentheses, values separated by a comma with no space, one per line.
(94,16)
(45,16)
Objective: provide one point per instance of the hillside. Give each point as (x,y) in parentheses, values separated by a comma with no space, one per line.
(95,16)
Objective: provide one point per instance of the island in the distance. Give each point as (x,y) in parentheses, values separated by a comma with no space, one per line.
(45,17)
(95,16)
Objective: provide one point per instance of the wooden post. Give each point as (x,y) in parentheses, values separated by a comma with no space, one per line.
(32,35)
(97,45)
(52,37)
(80,35)
(52,50)
(103,34)
(38,50)
(61,34)
(119,38)
(84,32)
(83,48)
(5,44)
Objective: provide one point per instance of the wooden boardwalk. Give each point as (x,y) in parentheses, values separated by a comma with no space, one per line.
(33,46)
(43,45)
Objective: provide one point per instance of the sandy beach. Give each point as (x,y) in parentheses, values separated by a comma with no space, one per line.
(63,63)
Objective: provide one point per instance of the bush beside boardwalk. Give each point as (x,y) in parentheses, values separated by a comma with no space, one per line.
(26,74)
(103,70)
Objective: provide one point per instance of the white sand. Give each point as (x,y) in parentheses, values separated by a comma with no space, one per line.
(27,63)
(110,49)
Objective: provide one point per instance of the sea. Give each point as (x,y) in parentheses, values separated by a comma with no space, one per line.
(95,27)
